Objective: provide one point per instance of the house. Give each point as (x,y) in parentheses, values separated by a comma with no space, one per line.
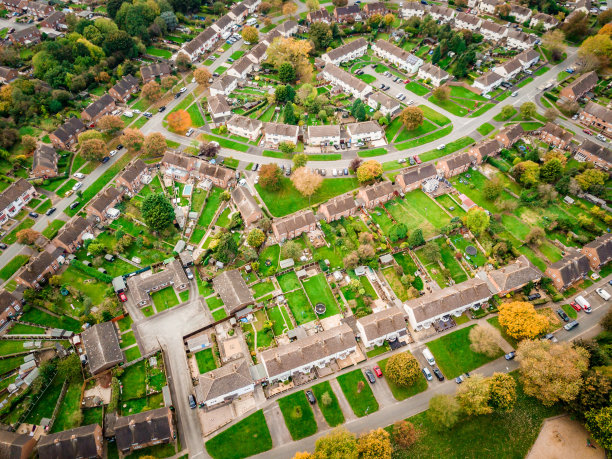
(184,167)
(294,225)
(288,28)
(251,5)
(132,176)
(599,251)
(238,13)
(15,198)
(71,236)
(520,40)
(233,290)
(14,6)
(67,134)
(509,135)
(583,6)
(38,9)
(492,31)
(346,53)
(16,446)
(144,429)
(598,116)
(26,37)
(414,177)
(8,74)
(376,194)
(97,109)
(597,154)
(467,22)
(521,13)
(345,82)
(124,88)
(224,85)
(488,6)
(309,353)
(9,307)
(528,58)
(380,101)
(555,135)
(56,20)
(241,68)
(219,109)
(82,442)
(322,15)
(44,162)
(143,284)
(225,384)
(370,9)
(511,277)
(34,274)
(548,22)
(276,133)
(397,56)
(245,127)
(153,71)
(342,206)
(202,43)
(433,73)
(103,202)
(385,325)
(455,164)
(272,35)
(573,267)
(351,13)
(426,310)
(365,131)
(258,53)
(246,204)
(223,25)
(412,9)
(579,87)
(324,135)
(101,345)
(488,82)
(509,69)
(441,13)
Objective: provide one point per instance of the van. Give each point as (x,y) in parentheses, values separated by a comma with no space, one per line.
(251,22)
(429,357)
(583,303)
(602,293)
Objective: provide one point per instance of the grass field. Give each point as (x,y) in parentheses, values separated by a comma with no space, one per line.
(206,360)
(485,128)
(133,380)
(53,228)
(11,237)
(13,266)
(362,401)
(164,299)
(318,291)
(36,316)
(263,288)
(280,319)
(300,307)
(298,415)
(331,411)
(271,253)
(399,392)
(288,281)
(245,438)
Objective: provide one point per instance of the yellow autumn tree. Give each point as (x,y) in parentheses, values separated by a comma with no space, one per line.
(179,121)
(295,52)
(520,320)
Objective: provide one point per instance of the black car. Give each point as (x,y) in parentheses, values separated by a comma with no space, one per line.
(162,108)
(561,313)
(311,398)
(119,147)
(33,214)
(75,204)
(177,95)
(534,296)
(3,245)
(105,159)
(192,402)
(50,211)
(438,374)
(370,376)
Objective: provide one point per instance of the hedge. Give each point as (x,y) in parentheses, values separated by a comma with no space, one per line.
(93,272)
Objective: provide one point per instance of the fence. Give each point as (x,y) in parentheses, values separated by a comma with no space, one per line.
(60,399)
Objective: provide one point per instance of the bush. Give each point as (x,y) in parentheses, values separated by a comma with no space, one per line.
(91,271)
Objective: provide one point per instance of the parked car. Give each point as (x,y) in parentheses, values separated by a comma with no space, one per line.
(75,204)
(427,374)
(33,214)
(575,306)
(587,132)
(442,146)
(417,159)
(189,273)
(438,374)
(510,355)
(561,313)
(370,376)
(189,132)
(192,402)
(162,108)
(311,398)
(602,293)
(550,337)
(459,379)
(573,324)
(122,297)
(377,371)
(534,296)
(3,245)
(79,175)
(77,186)
(346,171)
(50,211)
(112,153)
(105,159)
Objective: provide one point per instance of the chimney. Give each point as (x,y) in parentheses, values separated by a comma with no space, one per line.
(132,424)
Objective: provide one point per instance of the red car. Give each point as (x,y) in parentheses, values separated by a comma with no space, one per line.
(122,297)
(586,131)
(407,81)
(377,371)
(575,306)
(417,159)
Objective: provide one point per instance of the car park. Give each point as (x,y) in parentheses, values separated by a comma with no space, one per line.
(427,374)
(377,371)
(562,315)
(438,374)
(311,398)
(510,355)
(370,376)
(573,324)
(33,214)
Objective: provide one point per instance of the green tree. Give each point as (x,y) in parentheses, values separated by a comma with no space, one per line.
(444,412)
(492,189)
(291,249)
(437,55)
(286,73)
(507,111)
(502,389)
(224,247)
(157,212)
(599,423)
(403,369)
(270,177)
(528,110)
(398,232)
(321,35)
(477,220)
(288,114)
(299,160)
(339,443)
(590,178)
(287,148)
(551,171)
(473,396)
(256,237)
(416,238)
(69,368)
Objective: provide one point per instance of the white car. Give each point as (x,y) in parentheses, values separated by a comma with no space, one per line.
(486,96)
(137,111)
(112,153)
(335,173)
(602,293)
(442,147)
(77,186)
(411,102)
(189,132)
(256,179)
(183,89)
(79,175)
(128,114)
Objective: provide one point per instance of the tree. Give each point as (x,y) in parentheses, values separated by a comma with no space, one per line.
(27,236)
(551,372)
(590,178)
(224,247)
(502,392)
(599,423)
(289,9)
(289,115)
(403,369)
(551,171)
(256,237)
(154,144)
(503,10)
(157,212)
(416,238)
(152,91)
(133,139)
(295,52)
(292,249)
(110,124)
(306,181)
(250,34)
(366,252)
(209,149)
(355,163)
(313,5)
(369,171)
(604,18)
(340,2)
(412,117)
(473,396)
(492,189)
(179,121)
(398,232)
(299,160)
(520,320)
(93,149)
(202,76)
(576,26)
(443,412)
(388,19)
(168,82)
(321,35)
(528,110)
(477,220)
(339,443)
(351,261)
(595,392)
(287,147)
(431,251)
(554,41)
(442,93)
(527,172)
(437,55)
(550,114)
(69,368)
(606,322)
(89,134)
(483,341)
(404,434)
(270,177)
(376,444)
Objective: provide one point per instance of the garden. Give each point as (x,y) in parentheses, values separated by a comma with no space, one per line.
(358,393)
(298,415)
(245,438)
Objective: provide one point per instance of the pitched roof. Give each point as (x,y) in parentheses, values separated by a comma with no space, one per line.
(257,52)
(6,300)
(14,192)
(512,65)
(223,22)
(467,18)
(242,65)
(556,131)
(102,347)
(45,156)
(153,70)
(306,350)
(384,100)
(348,79)
(349,9)
(434,71)
(290,223)
(599,111)
(458,160)
(23,33)
(339,204)
(105,199)
(37,265)
(488,78)
(346,49)
(79,442)
(377,190)
(363,127)
(244,200)
(134,169)
(320,15)
(514,132)
(125,85)
(382,323)
(528,55)
(72,230)
(602,246)
(546,18)
(492,27)
(442,10)
(281,129)
(218,104)
(244,122)
(11,444)
(514,275)
(230,377)
(100,104)
(596,150)
(396,51)
(583,84)
(202,38)
(142,284)
(233,290)
(519,9)
(572,266)
(239,9)
(287,26)
(418,174)
(142,428)
(70,128)
(521,36)
(5,72)
(332,130)
(223,82)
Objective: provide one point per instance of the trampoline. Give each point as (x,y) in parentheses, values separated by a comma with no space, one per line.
(471,250)
(320,308)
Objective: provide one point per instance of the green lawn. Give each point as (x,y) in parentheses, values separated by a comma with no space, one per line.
(132,353)
(288,200)
(133,380)
(372,153)
(362,401)
(288,281)
(434,116)
(245,438)
(454,356)
(331,412)
(571,312)
(69,414)
(268,260)
(263,288)
(53,228)
(159,52)
(423,129)
(11,237)
(485,129)
(226,143)
(318,291)
(21,329)
(36,316)
(214,303)
(300,307)
(127,339)
(13,266)
(417,88)
(400,392)
(280,320)
(450,106)
(393,128)
(298,415)
(164,298)
(425,139)
(206,360)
